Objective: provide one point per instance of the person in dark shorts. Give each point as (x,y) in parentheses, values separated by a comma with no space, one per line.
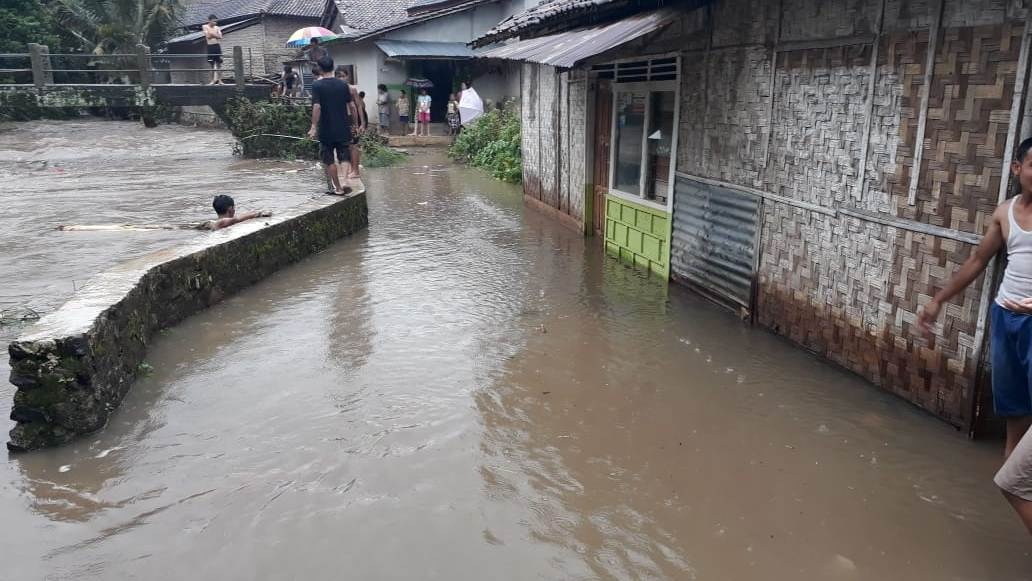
(291,82)
(213,39)
(356,133)
(333,116)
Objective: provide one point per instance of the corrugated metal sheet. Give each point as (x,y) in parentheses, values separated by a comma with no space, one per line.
(714,240)
(424,49)
(566,49)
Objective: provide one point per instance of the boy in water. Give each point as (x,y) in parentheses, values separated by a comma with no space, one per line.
(1011,328)
(225,208)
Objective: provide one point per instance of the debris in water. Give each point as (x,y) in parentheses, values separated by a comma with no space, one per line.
(108,451)
(422,203)
(822,429)
(65,468)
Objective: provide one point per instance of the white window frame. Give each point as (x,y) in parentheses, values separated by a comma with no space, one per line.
(647,86)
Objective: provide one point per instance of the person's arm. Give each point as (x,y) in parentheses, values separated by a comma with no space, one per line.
(227,222)
(217,31)
(356,121)
(313,131)
(991,244)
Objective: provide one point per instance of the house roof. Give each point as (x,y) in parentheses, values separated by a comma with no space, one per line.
(198,35)
(556,15)
(424,49)
(360,19)
(229,11)
(566,49)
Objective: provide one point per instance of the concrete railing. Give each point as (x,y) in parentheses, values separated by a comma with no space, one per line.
(77,363)
(138,65)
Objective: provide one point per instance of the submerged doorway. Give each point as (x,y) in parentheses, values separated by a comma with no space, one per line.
(442,73)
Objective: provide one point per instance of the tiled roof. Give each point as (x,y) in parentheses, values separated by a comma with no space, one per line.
(364,18)
(196,13)
(546,11)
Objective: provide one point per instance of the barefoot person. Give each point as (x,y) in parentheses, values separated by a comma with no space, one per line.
(213,38)
(225,209)
(333,116)
(1011,327)
(363,122)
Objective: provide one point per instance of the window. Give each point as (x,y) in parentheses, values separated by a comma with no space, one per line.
(644,139)
(630,126)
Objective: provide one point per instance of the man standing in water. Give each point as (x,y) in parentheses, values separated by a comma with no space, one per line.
(213,38)
(1011,328)
(333,116)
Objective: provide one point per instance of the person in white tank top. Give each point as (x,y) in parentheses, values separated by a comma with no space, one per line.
(1010,229)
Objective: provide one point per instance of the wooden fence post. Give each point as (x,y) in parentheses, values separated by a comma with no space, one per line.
(238,67)
(36,58)
(143,64)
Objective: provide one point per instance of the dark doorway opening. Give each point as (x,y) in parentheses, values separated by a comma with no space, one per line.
(442,74)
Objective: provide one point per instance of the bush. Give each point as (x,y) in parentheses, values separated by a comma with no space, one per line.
(492,143)
(255,126)
(265,130)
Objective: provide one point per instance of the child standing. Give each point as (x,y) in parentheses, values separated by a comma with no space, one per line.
(423,113)
(1010,228)
(453,114)
(403,110)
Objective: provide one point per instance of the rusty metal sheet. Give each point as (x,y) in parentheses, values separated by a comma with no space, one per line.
(714,240)
(566,49)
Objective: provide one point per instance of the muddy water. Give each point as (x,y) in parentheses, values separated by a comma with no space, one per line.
(469,391)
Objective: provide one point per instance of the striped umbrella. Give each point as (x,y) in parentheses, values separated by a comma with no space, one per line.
(304,36)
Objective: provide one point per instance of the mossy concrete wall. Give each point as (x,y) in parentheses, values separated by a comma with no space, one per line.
(76,364)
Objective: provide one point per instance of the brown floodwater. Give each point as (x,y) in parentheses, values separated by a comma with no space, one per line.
(470,391)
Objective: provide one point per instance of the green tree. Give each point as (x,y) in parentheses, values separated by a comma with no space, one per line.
(116,26)
(25,21)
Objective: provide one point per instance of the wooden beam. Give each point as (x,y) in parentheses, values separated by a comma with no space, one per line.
(926,88)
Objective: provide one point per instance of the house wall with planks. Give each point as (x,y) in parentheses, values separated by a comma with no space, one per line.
(554,106)
(818,108)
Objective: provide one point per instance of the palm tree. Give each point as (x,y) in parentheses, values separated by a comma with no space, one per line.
(116,26)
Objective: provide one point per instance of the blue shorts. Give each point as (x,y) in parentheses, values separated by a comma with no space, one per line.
(1011,351)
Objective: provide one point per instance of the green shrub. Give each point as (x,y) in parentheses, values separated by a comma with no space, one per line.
(376,153)
(492,143)
(264,129)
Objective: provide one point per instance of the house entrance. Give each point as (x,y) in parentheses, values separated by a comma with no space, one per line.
(442,74)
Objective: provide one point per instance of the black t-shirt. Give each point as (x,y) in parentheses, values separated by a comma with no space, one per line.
(290,79)
(333,96)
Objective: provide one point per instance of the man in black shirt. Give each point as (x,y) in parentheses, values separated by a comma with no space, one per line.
(333,115)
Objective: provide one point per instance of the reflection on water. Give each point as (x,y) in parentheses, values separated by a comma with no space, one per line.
(470,391)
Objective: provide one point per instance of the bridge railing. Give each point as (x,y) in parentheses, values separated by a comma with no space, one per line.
(41,68)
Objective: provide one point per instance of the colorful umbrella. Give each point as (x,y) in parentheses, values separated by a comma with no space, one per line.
(420,83)
(304,36)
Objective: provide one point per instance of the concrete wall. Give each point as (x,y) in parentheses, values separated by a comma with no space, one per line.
(77,363)
(869,198)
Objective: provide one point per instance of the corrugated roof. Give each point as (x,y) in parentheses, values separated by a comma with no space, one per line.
(196,13)
(566,49)
(195,36)
(424,49)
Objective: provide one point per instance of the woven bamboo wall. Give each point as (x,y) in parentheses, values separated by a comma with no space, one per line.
(847,287)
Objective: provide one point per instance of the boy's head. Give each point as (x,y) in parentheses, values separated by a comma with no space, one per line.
(211,19)
(315,42)
(422,91)
(342,73)
(403,93)
(361,94)
(224,206)
(325,64)
(381,87)
(288,69)
(1021,167)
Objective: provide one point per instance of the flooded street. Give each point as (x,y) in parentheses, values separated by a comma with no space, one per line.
(470,391)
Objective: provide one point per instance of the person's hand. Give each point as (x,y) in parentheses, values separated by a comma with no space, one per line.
(1022,307)
(926,318)
(312,132)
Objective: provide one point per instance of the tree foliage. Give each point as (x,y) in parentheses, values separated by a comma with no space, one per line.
(116,26)
(492,143)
